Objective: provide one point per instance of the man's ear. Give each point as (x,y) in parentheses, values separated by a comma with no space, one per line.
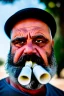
(52,43)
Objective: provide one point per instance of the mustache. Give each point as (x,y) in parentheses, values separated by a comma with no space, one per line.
(30,57)
(27,57)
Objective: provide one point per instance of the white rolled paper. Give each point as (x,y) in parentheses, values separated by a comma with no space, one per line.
(28,63)
(24,77)
(41,74)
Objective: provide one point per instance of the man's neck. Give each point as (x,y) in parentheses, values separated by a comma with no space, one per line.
(37,92)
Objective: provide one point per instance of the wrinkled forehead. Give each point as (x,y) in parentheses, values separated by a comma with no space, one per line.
(31,25)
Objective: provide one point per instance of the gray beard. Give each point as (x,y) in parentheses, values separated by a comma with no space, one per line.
(14,72)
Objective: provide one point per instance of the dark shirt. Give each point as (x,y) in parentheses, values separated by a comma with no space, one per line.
(8,90)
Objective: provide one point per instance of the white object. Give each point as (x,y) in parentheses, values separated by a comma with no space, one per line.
(24,77)
(41,74)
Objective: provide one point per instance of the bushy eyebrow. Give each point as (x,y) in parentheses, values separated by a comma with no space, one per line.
(39,36)
(18,39)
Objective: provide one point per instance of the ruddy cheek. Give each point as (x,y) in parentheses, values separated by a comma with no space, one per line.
(17,55)
(43,55)
(14,49)
(48,49)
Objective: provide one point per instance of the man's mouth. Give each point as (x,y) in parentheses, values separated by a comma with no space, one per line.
(33,83)
(33,74)
(34,58)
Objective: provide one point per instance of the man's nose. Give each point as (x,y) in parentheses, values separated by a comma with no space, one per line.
(29,49)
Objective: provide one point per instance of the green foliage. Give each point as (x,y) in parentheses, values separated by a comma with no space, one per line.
(59,49)
(54,5)
(1,61)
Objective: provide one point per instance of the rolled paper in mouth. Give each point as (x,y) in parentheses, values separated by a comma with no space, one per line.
(24,77)
(41,74)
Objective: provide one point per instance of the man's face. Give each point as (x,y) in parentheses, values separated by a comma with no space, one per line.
(31,40)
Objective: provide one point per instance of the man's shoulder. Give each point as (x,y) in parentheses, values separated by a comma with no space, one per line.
(2,80)
(53,91)
(7,89)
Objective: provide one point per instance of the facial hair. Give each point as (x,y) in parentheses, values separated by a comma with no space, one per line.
(14,69)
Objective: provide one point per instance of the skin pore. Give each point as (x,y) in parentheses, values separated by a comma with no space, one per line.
(30,36)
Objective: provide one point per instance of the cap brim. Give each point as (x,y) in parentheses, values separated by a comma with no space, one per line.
(30,13)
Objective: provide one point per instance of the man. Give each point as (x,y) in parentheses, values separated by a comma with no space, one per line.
(31,31)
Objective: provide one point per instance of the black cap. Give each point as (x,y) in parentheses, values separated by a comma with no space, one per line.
(30,13)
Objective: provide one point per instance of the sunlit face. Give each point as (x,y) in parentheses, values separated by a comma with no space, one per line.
(31,36)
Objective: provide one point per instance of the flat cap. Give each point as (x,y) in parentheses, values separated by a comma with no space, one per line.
(30,13)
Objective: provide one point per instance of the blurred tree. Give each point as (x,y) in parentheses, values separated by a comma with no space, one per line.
(56,7)
(1,61)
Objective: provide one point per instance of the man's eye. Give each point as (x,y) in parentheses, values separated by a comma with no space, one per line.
(19,44)
(39,41)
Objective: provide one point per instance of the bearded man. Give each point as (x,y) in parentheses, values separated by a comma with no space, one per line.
(31,62)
